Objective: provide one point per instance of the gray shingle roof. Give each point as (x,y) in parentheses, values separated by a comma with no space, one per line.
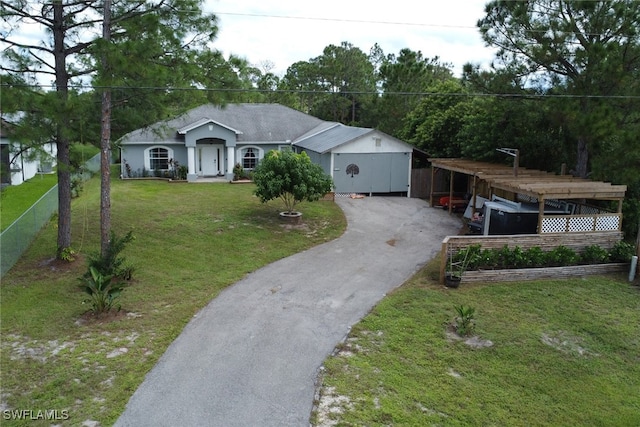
(256,122)
(325,138)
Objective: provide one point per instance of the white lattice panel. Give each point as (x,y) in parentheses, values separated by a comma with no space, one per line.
(608,223)
(554,225)
(581,223)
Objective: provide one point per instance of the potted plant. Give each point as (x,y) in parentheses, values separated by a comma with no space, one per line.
(456,266)
(291,177)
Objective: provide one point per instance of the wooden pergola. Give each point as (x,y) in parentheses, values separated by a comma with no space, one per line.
(540,185)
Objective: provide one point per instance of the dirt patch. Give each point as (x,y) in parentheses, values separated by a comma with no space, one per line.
(61,266)
(477,342)
(330,404)
(21,348)
(473,341)
(301,226)
(566,343)
(91,318)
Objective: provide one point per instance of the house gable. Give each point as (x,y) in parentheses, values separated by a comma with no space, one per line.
(209,130)
(374,142)
(340,138)
(206,121)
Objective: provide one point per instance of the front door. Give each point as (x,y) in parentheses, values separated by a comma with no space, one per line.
(210,160)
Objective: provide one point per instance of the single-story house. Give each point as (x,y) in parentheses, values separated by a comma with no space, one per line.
(210,140)
(19,163)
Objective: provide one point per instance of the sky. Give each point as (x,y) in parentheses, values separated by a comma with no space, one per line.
(283,32)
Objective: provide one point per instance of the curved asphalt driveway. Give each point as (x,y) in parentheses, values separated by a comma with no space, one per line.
(251,356)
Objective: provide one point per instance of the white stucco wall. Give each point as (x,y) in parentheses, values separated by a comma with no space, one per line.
(29,168)
(367,144)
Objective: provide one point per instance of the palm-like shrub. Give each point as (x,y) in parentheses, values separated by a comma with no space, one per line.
(112,263)
(103,291)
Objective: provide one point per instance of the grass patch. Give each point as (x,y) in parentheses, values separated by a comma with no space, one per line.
(16,199)
(191,241)
(562,353)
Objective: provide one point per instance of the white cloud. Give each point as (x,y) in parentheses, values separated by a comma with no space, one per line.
(260,30)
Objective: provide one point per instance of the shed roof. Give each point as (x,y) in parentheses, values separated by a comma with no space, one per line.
(535,183)
(323,139)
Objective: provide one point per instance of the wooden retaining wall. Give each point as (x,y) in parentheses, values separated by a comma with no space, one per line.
(452,244)
(524,274)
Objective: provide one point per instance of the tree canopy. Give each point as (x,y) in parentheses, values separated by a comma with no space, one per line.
(586,51)
(333,86)
(403,80)
(291,177)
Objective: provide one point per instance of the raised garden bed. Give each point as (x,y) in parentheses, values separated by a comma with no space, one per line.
(522,274)
(485,261)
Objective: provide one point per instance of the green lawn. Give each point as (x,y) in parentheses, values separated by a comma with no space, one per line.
(191,241)
(564,353)
(16,199)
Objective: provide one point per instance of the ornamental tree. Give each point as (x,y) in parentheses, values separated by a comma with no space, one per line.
(291,177)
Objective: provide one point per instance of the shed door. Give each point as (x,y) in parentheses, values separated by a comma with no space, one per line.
(352,173)
(371,173)
(400,172)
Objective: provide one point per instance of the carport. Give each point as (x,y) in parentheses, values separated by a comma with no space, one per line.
(544,188)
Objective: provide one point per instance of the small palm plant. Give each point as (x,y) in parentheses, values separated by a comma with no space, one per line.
(103,291)
(465,321)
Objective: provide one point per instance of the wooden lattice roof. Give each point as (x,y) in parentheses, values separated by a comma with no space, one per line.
(535,183)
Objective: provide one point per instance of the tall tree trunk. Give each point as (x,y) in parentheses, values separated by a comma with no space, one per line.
(582,157)
(582,146)
(105,138)
(62,142)
(353,110)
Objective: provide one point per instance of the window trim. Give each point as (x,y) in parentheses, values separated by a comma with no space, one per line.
(242,151)
(147,156)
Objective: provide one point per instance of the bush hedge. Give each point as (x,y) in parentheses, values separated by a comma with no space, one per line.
(477,258)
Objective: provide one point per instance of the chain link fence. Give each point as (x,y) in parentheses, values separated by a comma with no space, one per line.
(16,238)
